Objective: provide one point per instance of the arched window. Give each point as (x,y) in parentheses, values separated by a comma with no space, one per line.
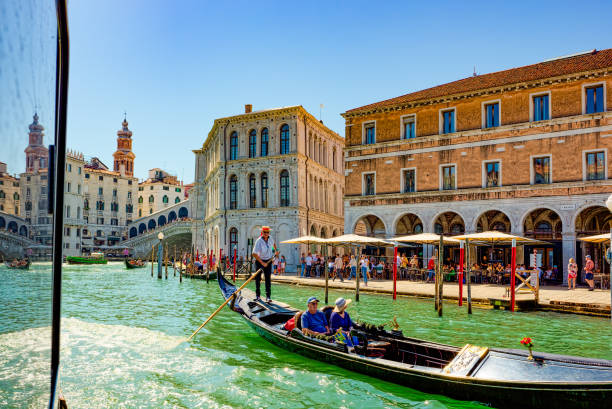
(233,192)
(438,228)
(334,159)
(151,211)
(418,228)
(233,240)
(544,227)
(264,142)
(234,146)
(140,199)
(151,199)
(15,196)
(252,191)
(264,190)
(139,212)
(284,139)
(284,188)
(252,143)
(165,199)
(2,194)
(178,199)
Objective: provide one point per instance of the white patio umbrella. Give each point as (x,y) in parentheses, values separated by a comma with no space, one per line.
(599,238)
(426,238)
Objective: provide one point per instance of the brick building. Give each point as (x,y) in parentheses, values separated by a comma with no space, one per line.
(523,151)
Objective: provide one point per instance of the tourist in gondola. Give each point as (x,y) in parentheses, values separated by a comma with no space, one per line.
(340,319)
(313,320)
(264,252)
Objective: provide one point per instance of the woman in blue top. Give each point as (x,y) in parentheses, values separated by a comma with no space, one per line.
(340,319)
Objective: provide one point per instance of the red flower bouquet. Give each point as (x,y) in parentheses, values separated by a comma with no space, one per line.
(529,344)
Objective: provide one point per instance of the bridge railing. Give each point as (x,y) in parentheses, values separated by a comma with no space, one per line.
(157,229)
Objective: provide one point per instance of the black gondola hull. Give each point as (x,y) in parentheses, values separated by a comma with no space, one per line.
(528,393)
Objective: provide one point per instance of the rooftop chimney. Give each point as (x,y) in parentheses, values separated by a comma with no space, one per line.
(248,108)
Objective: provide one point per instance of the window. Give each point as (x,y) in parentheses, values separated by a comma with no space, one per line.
(491,115)
(151,211)
(129,182)
(100,178)
(234,146)
(100,220)
(541,170)
(492,176)
(129,195)
(79,170)
(409,127)
(114,180)
(151,187)
(67,211)
(15,196)
(448,177)
(100,191)
(129,208)
(264,190)
(87,176)
(177,200)
(100,205)
(252,191)
(140,199)
(595,165)
(409,180)
(370,133)
(284,188)
(438,229)
(284,139)
(252,143)
(594,99)
(233,240)
(140,188)
(541,108)
(165,199)
(78,233)
(369,184)
(448,121)
(2,194)
(139,212)
(79,189)
(166,188)
(264,142)
(114,192)
(114,222)
(151,199)
(177,189)
(233,192)
(69,167)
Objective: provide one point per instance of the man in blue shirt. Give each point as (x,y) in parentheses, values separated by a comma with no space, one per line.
(313,320)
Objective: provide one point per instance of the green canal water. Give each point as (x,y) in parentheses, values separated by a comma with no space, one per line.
(123,332)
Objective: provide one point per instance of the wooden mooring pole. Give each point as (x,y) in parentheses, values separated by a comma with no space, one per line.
(468,278)
(357,283)
(152,258)
(174,261)
(166,262)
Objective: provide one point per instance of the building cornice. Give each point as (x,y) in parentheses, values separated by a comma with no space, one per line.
(478,93)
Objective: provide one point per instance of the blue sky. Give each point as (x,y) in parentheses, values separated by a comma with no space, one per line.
(175,66)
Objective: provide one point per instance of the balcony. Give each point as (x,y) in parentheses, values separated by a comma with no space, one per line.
(74,221)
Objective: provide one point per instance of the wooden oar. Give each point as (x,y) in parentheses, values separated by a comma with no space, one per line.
(225,303)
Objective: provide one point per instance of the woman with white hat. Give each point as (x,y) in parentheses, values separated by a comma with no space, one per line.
(339,318)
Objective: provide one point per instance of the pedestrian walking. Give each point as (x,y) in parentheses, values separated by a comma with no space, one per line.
(572,273)
(588,269)
(264,252)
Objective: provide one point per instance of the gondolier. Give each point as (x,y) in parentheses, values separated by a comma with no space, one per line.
(264,252)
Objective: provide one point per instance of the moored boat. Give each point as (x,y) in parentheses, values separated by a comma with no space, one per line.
(18,264)
(503,378)
(131,263)
(94,258)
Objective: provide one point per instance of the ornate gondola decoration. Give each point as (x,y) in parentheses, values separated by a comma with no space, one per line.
(502,378)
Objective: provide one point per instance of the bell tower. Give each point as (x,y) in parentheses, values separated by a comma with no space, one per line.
(123,156)
(37,155)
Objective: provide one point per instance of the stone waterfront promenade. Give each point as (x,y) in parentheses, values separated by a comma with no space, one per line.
(556,298)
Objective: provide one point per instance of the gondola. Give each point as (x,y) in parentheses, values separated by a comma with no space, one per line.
(25,266)
(503,378)
(129,265)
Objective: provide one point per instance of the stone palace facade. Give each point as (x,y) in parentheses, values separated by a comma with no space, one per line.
(278,167)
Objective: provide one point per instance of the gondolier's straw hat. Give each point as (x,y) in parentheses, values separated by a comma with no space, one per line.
(265,229)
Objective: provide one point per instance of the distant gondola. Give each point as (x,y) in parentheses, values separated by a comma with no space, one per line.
(503,378)
(129,264)
(19,265)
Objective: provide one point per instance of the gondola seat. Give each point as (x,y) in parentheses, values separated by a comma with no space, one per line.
(298,319)
(327,310)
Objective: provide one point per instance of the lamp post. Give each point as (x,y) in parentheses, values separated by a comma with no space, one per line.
(160,255)
(609,206)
